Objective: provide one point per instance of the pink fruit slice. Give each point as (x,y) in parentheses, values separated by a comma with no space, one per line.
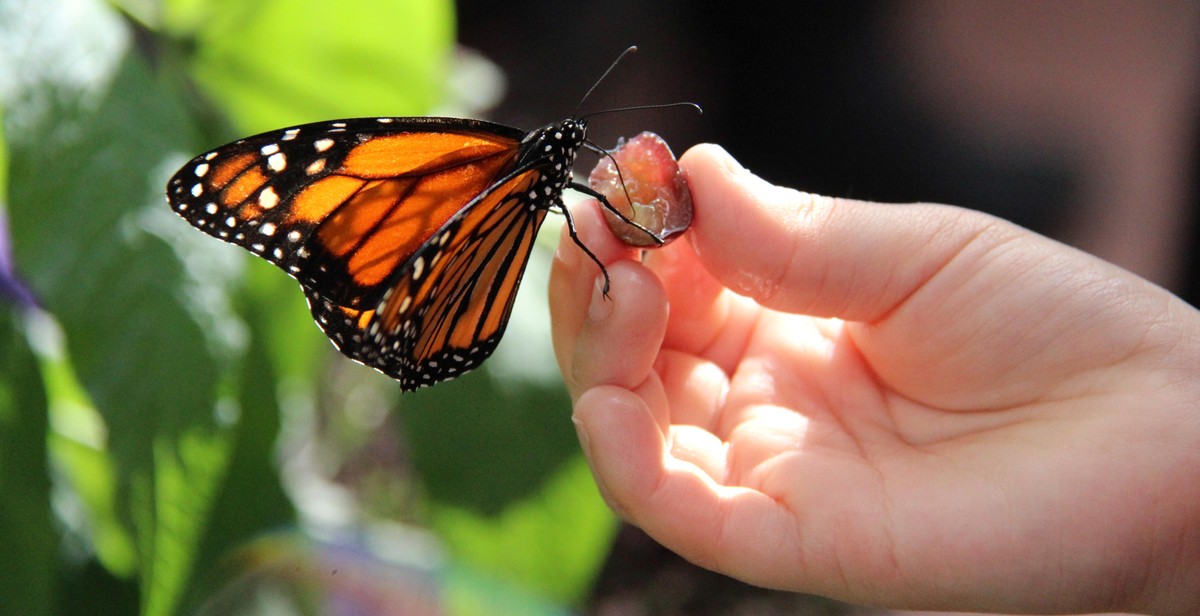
(660,199)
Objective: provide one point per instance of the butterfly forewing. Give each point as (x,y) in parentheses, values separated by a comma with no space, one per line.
(409,236)
(341,205)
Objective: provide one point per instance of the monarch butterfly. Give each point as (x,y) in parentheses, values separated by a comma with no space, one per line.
(409,236)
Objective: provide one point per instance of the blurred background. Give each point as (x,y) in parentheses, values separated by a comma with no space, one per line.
(176,435)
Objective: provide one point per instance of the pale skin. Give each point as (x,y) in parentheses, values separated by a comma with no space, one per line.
(913,406)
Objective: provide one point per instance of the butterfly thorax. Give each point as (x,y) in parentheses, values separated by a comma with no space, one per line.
(552,148)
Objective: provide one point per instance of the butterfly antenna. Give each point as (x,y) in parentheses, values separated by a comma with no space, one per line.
(641,107)
(628,50)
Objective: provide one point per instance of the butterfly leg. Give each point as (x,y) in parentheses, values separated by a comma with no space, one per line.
(575,236)
(587,190)
(625,189)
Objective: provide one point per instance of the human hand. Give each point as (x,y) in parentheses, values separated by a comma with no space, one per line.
(908,406)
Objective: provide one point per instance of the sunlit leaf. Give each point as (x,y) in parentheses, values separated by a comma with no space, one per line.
(91,139)
(552,543)
(78,445)
(251,500)
(276,63)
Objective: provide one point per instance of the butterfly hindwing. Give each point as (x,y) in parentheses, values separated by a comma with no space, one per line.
(449,305)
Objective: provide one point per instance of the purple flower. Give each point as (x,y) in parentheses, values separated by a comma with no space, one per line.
(12,288)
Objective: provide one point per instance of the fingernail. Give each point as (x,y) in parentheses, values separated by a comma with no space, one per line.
(584,440)
(600,306)
(567,253)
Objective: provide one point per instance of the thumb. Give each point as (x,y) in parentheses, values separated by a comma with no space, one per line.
(808,254)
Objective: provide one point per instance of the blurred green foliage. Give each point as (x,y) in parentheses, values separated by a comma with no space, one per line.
(170,403)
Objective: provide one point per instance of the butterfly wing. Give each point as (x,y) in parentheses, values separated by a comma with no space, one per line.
(447,308)
(341,205)
(409,236)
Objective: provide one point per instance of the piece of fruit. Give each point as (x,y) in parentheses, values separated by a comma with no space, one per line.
(660,199)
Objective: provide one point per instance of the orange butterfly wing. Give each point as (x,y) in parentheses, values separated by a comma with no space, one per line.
(448,307)
(340,205)
(408,235)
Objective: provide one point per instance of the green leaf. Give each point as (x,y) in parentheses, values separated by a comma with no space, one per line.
(499,459)
(552,543)
(296,347)
(93,136)
(276,63)
(251,499)
(3,172)
(77,446)
(481,444)
(27,583)
(497,435)
(170,511)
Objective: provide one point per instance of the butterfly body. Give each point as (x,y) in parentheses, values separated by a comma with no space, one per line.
(408,236)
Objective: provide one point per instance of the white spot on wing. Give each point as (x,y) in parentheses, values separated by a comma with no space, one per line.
(268,198)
